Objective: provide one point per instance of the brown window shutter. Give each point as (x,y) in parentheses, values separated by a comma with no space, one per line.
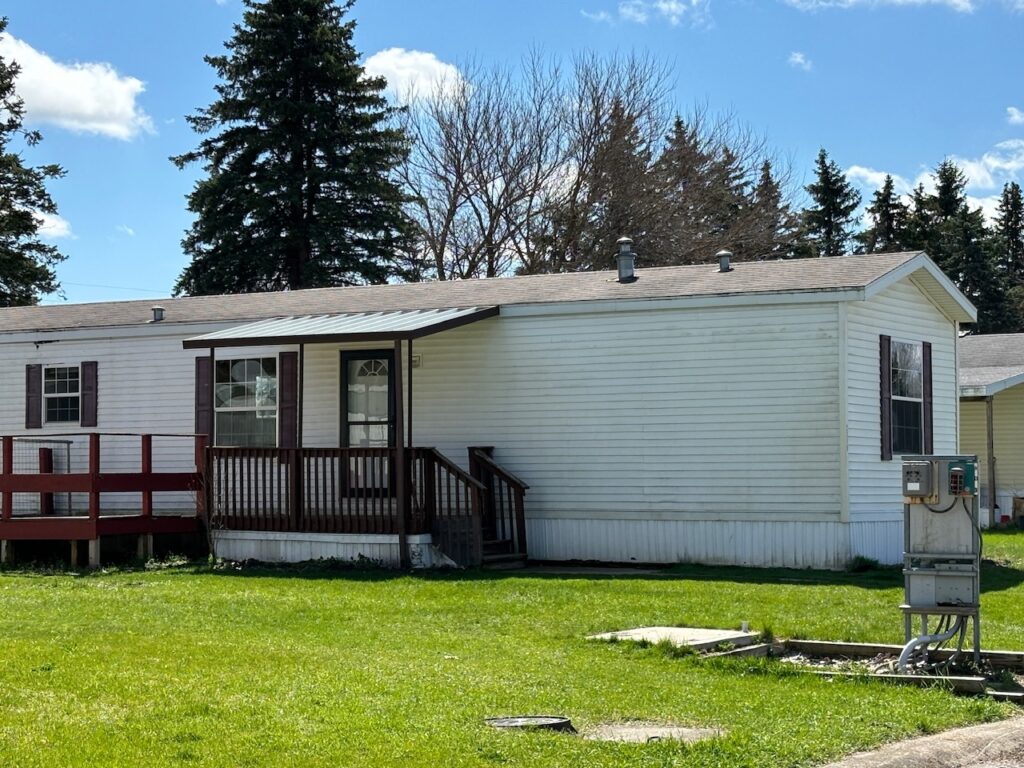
(288,400)
(204,398)
(885,388)
(926,382)
(89,377)
(33,396)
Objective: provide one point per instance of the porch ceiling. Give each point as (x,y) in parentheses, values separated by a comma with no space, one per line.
(345,327)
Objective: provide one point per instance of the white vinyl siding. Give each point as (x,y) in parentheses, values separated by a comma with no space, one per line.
(905,314)
(707,413)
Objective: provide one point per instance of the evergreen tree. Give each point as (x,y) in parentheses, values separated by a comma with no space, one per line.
(299,153)
(619,200)
(972,267)
(26,262)
(776,226)
(827,223)
(1008,234)
(888,221)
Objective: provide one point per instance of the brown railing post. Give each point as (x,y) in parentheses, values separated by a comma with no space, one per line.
(8,467)
(46,468)
(203,470)
(147,469)
(94,475)
(429,489)
(295,487)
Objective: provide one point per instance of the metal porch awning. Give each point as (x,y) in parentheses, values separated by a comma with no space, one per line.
(399,325)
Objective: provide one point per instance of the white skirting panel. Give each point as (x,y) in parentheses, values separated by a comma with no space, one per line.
(783,544)
(268,547)
(881,540)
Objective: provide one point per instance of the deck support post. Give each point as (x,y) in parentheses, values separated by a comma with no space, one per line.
(94,552)
(993,497)
(401,488)
(145,547)
(74,553)
(6,552)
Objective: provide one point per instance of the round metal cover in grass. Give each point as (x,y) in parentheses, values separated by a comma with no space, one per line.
(533,722)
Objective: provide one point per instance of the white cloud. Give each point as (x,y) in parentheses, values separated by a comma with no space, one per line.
(124,229)
(1015,116)
(52,226)
(86,98)
(674,12)
(798,60)
(869,178)
(634,10)
(412,73)
(963,6)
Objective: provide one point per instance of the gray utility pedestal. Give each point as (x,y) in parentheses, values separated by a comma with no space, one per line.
(941,544)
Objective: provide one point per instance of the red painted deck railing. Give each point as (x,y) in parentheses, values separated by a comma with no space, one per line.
(94,481)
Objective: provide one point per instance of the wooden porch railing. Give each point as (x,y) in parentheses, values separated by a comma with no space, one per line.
(346,490)
(94,481)
(503,515)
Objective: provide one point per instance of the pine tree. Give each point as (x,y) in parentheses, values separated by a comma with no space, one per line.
(1008,234)
(26,262)
(828,222)
(973,268)
(299,152)
(776,227)
(888,221)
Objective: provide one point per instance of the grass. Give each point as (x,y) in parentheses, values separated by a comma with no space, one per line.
(311,666)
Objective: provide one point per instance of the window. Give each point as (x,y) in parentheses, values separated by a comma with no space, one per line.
(245,402)
(61,394)
(906,364)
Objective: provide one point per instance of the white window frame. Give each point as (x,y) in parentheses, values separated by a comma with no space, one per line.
(245,408)
(48,396)
(893,397)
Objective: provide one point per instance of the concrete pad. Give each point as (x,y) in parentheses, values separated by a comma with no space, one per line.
(697,638)
(645,733)
(992,745)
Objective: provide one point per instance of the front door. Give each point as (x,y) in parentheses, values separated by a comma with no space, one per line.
(368,414)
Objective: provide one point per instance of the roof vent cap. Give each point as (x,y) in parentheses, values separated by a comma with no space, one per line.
(723,261)
(158,314)
(626,259)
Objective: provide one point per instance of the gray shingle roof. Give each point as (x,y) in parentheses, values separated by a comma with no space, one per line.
(990,362)
(802,275)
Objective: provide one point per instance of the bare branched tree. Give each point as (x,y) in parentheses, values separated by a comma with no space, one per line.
(541,170)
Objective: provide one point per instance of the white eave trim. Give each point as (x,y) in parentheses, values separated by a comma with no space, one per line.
(918,263)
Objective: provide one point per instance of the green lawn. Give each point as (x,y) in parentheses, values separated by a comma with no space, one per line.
(305,667)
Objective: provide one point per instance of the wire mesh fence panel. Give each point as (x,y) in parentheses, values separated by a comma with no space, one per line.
(40,456)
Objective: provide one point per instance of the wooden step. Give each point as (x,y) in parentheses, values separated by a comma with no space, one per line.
(497,547)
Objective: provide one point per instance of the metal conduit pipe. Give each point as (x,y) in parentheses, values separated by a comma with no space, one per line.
(925,640)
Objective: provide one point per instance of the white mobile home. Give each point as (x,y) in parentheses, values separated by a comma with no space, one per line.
(753,415)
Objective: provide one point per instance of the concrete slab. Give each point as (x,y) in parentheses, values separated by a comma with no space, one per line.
(695,637)
(645,733)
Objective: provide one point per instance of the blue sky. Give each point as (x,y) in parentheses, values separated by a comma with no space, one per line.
(885,85)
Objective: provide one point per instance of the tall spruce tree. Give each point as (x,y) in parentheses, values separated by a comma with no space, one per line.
(299,151)
(828,222)
(888,221)
(776,225)
(26,262)
(1008,234)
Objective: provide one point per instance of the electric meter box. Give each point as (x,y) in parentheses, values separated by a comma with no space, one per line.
(918,480)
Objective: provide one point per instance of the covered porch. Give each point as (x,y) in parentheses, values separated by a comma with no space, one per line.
(369,491)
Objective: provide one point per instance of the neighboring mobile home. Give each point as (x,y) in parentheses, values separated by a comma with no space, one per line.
(992,417)
(751,415)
